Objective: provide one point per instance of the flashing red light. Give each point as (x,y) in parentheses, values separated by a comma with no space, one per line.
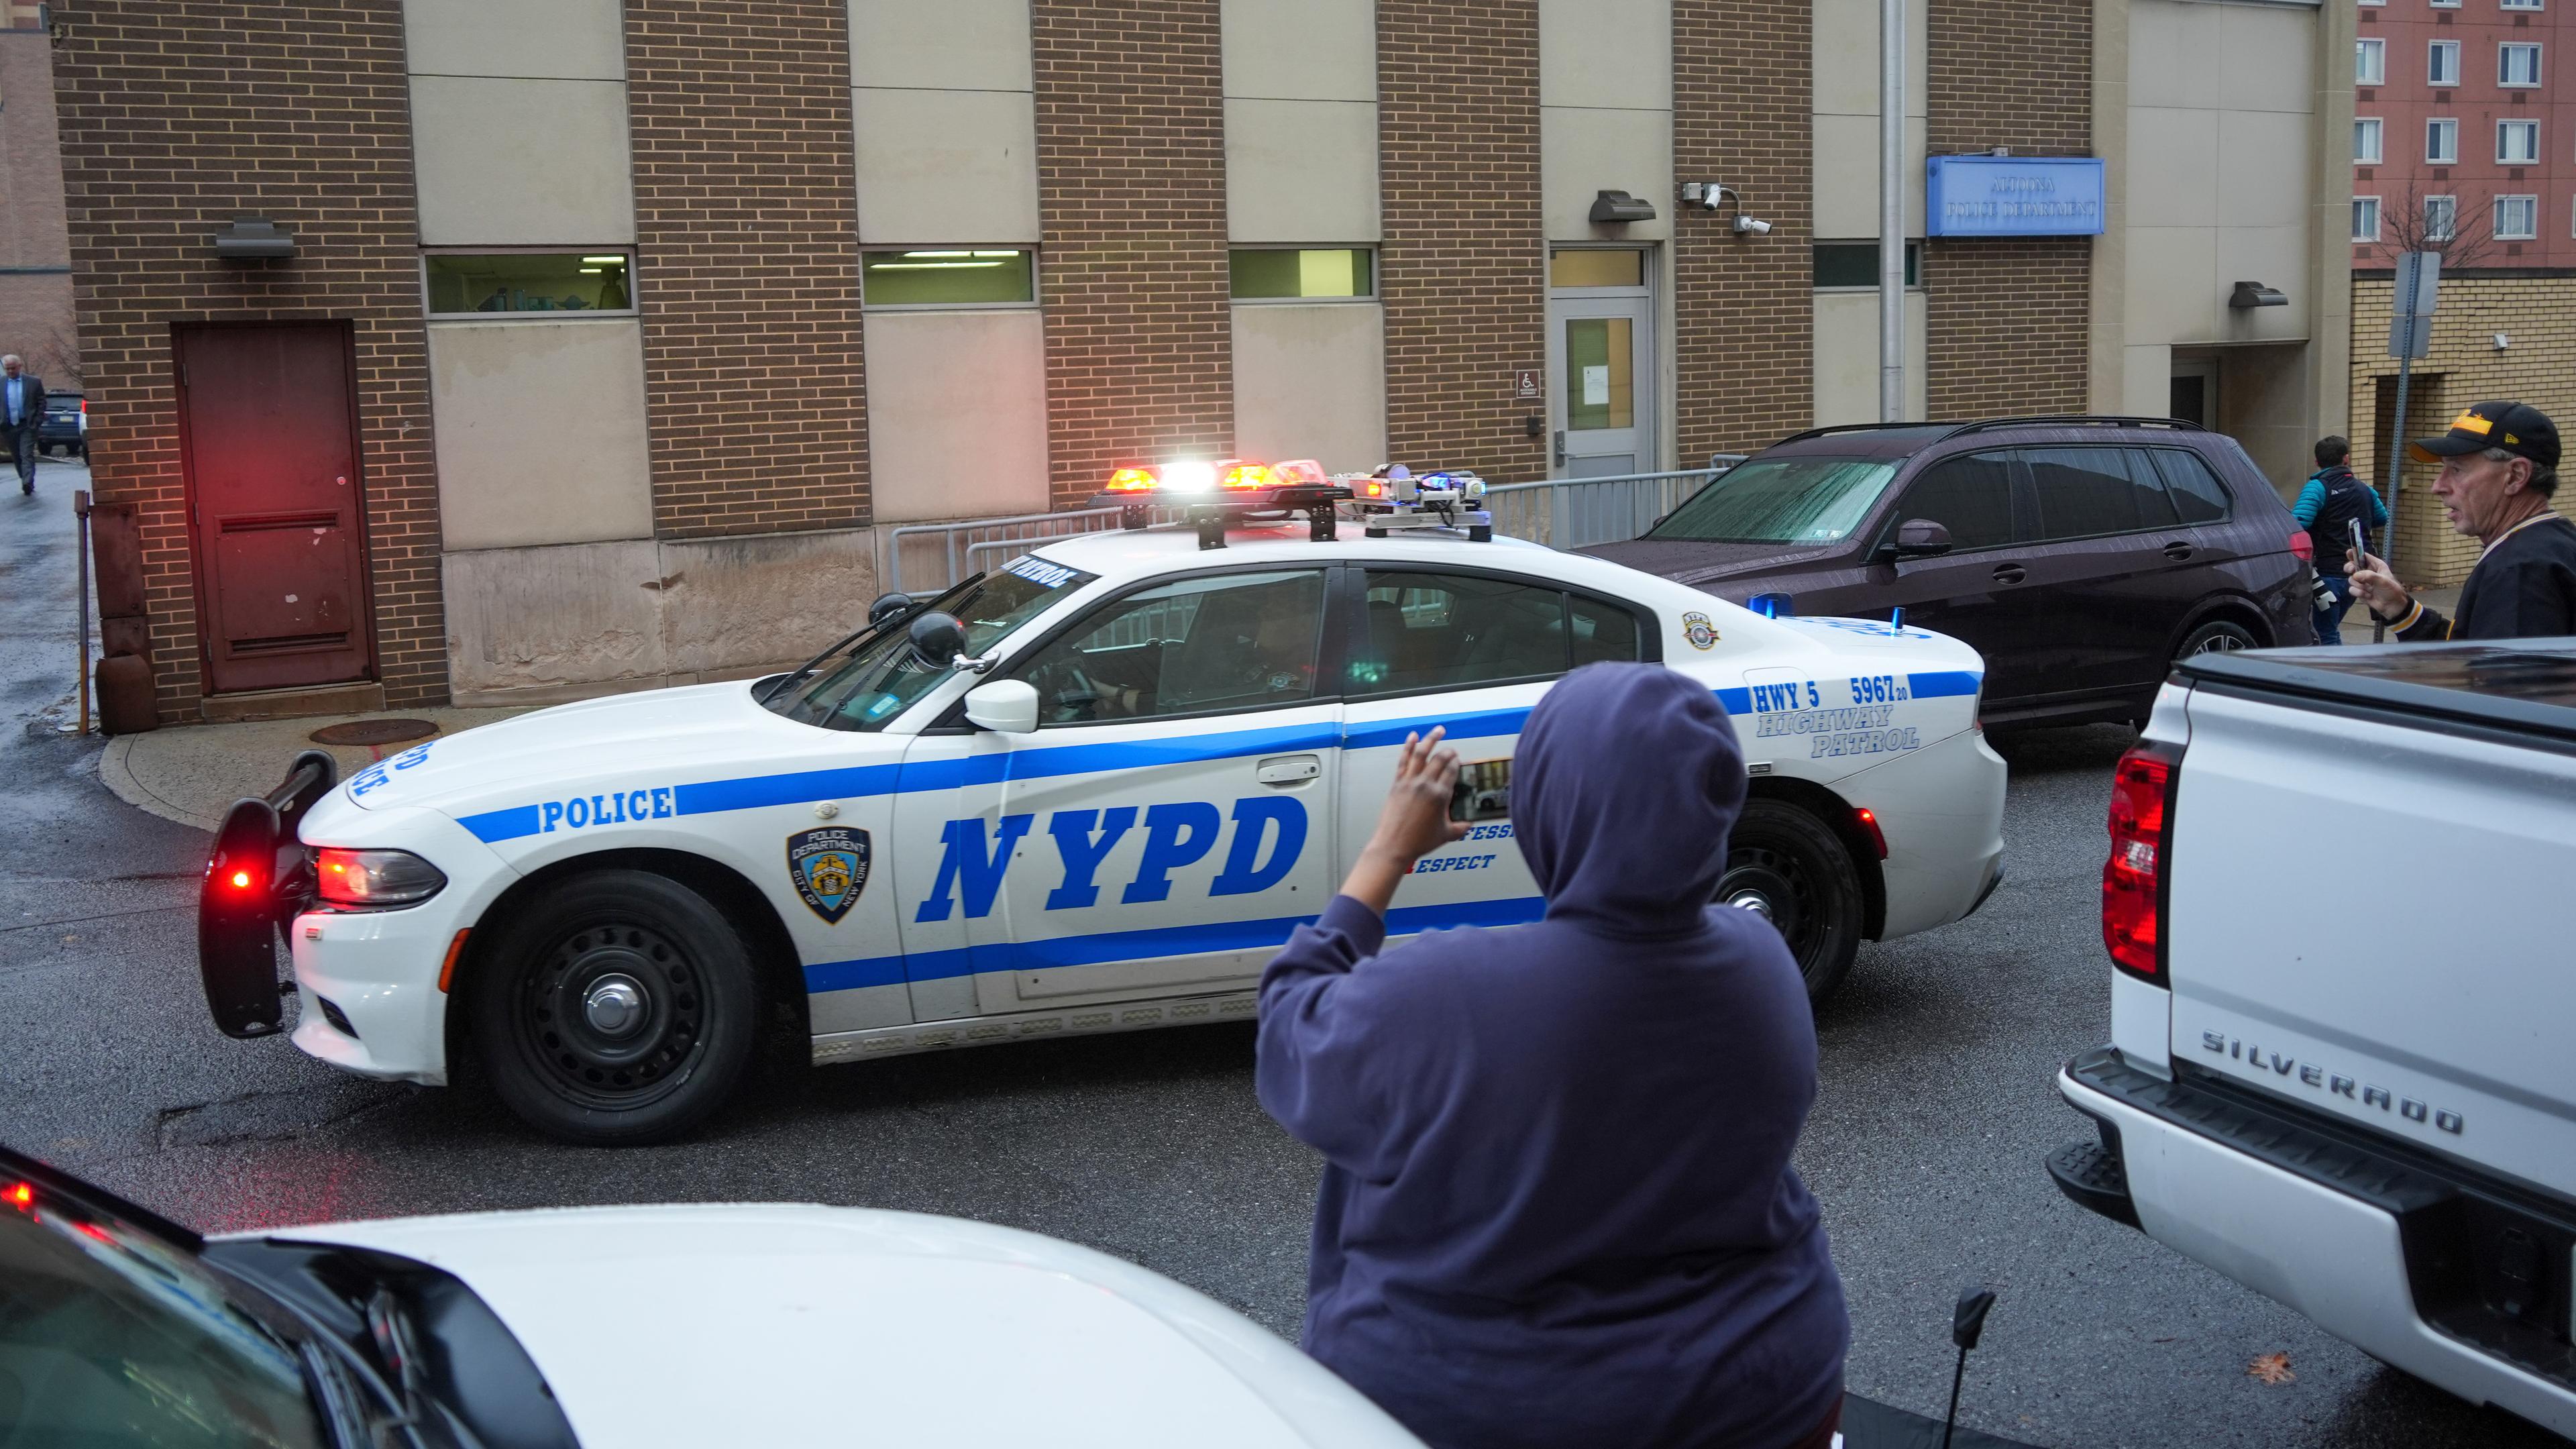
(2133,879)
(2302,545)
(1245,475)
(1867,819)
(21,1195)
(241,880)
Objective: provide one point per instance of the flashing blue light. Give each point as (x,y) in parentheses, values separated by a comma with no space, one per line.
(1773,606)
(1896,620)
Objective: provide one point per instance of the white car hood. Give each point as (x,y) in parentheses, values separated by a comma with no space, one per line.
(789,1324)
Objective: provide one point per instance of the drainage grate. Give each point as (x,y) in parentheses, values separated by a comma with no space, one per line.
(374,732)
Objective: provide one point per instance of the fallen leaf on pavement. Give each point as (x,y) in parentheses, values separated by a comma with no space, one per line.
(2271,1368)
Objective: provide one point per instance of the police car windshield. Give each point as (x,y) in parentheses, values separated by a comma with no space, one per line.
(881,678)
(1805,500)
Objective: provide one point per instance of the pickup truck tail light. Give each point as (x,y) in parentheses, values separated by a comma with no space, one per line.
(2302,545)
(2135,878)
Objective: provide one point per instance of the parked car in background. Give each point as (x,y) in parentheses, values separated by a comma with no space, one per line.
(2080,555)
(65,425)
(752,1324)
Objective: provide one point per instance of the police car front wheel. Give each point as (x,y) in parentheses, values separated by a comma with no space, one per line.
(618,1007)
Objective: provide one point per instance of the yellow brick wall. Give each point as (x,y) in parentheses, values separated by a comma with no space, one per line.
(2537,366)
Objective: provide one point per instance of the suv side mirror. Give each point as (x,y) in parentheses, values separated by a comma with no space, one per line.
(1005,706)
(1916,538)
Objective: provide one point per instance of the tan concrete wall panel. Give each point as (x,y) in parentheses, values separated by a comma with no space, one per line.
(1846,58)
(546,39)
(958,414)
(1847,177)
(1583,152)
(573,620)
(1606,54)
(732,607)
(1318,50)
(962,45)
(1301,171)
(541,433)
(946,166)
(522,162)
(1847,357)
(1310,382)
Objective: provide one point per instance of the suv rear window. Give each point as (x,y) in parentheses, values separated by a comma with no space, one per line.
(1782,500)
(2088,492)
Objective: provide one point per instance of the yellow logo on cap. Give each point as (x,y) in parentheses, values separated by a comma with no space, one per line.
(2472,423)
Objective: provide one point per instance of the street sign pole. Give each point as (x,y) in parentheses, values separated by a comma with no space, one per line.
(2419,279)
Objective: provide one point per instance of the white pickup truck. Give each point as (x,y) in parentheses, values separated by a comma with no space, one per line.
(2342,1067)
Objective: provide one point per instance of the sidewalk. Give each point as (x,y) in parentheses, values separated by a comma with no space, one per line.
(193,773)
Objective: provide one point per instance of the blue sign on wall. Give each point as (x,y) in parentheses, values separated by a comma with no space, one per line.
(2014,196)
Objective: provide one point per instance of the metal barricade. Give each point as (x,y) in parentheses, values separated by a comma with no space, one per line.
(950,551)
(1577,512)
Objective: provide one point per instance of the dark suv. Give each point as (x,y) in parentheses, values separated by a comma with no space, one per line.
(60,427)
(2081,556)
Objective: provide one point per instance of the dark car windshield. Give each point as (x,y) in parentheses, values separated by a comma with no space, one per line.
(881,678)
(110,1336)
(1782,500)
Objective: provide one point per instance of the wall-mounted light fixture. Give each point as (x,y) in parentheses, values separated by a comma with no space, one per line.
(253,238)
(2255,294)
(1618,208)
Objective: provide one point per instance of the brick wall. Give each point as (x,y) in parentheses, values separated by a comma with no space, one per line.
(2464,366)
(1744,307)
(1131,206)
(747,273)
(35,306)
(2008,319)
(1463,269)
(174,119)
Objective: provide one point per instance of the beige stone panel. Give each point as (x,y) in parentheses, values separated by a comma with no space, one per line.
(2173,53)
(1290,50)
(2276,256)
(2267,58)
(2171,294)
(1847,357)
(1310,382)
(946,166)
(956,414)
(537,624)
(540,432)
(2146,388)
(733,607)
(1846,178)
(2263,404)
(2173,167)
(522,162)
(959,45)
(1606,54)
(548,39)
(1301,171)
(1845,45)
(2264,173)
(1583,152)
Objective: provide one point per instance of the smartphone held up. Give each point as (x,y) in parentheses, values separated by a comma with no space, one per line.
(1483,792)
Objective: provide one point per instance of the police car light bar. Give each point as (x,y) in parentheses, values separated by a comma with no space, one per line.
(1215,493)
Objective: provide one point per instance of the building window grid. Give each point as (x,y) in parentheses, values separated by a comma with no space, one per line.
(2517,143)
(2442,142)
(2442,63)
(2441,218)
(2366,134)
(2370,63)
(2517,218)
(2443,4)
(2521,4)
(523,283)
(2517,65)
(2365,218)
(948,278)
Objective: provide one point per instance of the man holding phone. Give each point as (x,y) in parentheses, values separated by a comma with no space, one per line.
(2338,510)
(1557,1208)
(2499,470)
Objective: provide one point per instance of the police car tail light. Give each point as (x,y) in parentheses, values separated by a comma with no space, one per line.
(375,879)
(2302,545)
(2134,879)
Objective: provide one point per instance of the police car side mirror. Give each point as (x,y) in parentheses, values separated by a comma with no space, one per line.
(888,606)
(937,640)
(1917,538)
(1005,706)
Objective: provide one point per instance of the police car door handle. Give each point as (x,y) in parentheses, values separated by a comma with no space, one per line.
(2010,573)
(1289,769)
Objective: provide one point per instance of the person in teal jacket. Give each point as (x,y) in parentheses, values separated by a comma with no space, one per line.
(2331,500)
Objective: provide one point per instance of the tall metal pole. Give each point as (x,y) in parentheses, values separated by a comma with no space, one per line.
(2409,292)
(1891,211)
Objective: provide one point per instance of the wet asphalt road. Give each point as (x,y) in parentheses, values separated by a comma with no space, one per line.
(1925,1148)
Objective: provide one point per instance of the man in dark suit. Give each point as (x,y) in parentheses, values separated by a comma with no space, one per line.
(22,407)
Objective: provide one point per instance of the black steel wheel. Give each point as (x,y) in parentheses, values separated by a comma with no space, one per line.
(619,1007)
(1786,866)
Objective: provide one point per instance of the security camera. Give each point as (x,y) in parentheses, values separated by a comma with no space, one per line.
(1751,226)
(1706,195)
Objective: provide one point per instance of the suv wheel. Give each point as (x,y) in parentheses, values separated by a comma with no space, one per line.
(2218,637)
(1784,865)
(619,1007)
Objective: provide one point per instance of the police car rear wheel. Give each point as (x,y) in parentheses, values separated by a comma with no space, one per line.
(619,1007)
(1784,865)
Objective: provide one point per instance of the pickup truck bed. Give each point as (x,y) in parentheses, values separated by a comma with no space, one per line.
(2343,1000)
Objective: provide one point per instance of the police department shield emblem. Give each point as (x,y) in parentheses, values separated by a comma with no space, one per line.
(1698,630)
(830,868)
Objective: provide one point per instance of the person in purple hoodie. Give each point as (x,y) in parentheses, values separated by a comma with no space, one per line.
(1557,1207)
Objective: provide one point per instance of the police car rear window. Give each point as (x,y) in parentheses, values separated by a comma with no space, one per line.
(881,678)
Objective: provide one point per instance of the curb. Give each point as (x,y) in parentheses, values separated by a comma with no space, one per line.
(118,777)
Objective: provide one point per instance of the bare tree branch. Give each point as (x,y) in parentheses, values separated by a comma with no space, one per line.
(2404,227)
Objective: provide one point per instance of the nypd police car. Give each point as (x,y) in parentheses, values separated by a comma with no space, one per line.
(1092,790)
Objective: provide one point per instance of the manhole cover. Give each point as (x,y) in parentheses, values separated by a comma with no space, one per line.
(374,732)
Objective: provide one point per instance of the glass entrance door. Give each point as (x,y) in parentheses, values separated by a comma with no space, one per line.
(1602,363)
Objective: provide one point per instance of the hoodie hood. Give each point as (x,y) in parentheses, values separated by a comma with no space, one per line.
(1626,783)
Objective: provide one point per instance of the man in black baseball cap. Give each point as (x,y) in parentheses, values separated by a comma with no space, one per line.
(2499,468)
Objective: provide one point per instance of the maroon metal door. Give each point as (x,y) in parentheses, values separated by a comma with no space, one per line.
(268,439)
